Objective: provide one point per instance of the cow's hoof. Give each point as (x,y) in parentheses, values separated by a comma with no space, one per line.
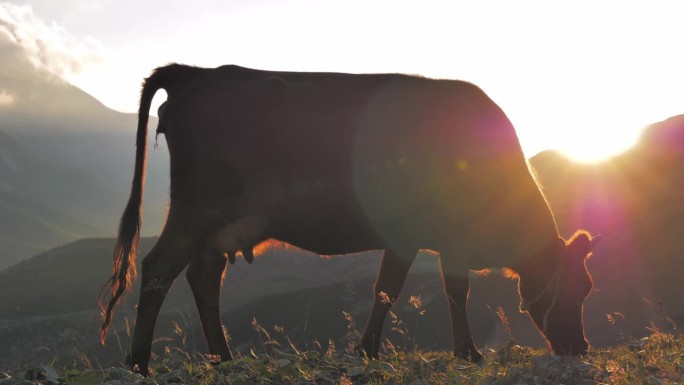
(472,355)
(365,352)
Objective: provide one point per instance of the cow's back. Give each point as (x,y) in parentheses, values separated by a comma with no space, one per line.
(404,159)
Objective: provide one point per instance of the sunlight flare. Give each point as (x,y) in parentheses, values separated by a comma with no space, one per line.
(583,143)
(599,147)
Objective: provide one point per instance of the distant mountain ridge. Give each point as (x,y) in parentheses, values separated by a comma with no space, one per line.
(66,162)
(42,100)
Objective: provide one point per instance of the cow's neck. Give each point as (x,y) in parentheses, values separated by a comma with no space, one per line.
(542,261)
(531,234)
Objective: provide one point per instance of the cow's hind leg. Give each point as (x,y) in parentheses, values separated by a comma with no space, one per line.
(393,270)
(159,269)
(205,275)
(456,285)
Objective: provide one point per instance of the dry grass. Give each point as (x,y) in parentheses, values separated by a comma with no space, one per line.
(658,359)
(654,360)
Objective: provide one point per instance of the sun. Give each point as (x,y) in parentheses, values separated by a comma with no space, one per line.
(583,144)
(596,147)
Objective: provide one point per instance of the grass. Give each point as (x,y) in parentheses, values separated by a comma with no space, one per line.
(654,360)
(657,359)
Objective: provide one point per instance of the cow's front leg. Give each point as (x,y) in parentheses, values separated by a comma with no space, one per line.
(205,275)
(456,286)
(393,270)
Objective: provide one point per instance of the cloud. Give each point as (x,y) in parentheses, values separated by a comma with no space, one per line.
(46,45)
(6,98)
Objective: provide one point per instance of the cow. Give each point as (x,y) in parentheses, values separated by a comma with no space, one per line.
(340,163)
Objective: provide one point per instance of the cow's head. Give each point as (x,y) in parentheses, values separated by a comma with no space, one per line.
(555,301)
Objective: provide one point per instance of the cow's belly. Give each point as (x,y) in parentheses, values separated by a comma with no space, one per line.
(396,209)
(325,224)
(341,224)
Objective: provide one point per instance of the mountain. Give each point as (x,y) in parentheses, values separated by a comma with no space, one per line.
(64,280)
(66,162)
(28,226)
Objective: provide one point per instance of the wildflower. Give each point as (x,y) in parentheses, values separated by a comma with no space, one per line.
(384,298)
(416,301)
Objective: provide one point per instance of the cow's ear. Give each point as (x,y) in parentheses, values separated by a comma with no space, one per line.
(581,244)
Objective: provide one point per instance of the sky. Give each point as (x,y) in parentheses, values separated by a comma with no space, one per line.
(583,77)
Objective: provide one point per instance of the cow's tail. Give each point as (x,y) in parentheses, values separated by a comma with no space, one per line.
(123,269)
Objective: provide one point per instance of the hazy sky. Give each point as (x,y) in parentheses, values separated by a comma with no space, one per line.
(578,76)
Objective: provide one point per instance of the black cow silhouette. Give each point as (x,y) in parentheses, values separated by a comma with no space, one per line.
(339,163)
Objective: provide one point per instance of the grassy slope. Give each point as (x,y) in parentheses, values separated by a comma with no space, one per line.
(658,359)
